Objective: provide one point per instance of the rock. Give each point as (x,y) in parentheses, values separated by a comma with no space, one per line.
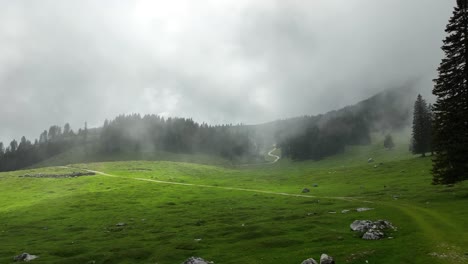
(363,209)
(196,260)
(121,224)
(315,185)
(325,259)
(370,160)
(309,261)
(25,257)
(361,225)
(373,234)
(305,190)
(372,230)
(375,166)
(344,211)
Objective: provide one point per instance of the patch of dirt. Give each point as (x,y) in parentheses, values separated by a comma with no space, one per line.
(66,175)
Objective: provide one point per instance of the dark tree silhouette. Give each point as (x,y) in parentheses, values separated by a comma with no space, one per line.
(66,129)
(388,142)
(421,127)
(451,108)
(13,145)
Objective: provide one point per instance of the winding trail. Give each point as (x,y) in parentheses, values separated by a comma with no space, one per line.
(273,155)
(428,222)
(349,199)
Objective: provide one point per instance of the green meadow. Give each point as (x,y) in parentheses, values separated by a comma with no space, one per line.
(166,211)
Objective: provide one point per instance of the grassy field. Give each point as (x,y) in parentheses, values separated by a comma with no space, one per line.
(249,215)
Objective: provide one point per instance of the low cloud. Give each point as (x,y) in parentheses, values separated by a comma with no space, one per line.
(216,61)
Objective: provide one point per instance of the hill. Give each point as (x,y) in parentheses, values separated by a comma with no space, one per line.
(164,212)
(316,137)
(151,137)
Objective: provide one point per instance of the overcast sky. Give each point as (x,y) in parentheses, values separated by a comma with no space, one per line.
(217,61)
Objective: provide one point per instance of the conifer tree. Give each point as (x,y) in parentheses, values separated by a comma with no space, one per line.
(421,127)
(451,108)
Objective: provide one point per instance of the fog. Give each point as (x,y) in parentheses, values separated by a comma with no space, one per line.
(216,61)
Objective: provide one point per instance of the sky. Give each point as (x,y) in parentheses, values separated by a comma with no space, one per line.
(216,61)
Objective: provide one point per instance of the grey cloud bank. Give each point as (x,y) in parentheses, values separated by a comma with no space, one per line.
(215,61)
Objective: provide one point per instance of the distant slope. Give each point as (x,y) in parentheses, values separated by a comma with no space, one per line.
(153,138)
(386,111)
(87,154)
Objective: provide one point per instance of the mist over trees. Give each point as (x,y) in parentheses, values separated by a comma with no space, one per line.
(324,135)
(308,137)
(51,142)
(451,108)
(388,142)
(316,138)
(133,133)
(179,135)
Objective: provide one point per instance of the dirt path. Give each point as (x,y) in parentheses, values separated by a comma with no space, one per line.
(349,199)
(273,155)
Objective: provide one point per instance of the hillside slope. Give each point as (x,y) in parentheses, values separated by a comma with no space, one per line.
(170,211)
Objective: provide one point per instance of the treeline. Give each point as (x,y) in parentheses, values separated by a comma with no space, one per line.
(133,133)
(51,142)
(318,137)
(180,135)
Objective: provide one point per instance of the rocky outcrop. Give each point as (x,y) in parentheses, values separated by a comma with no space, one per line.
(372,230)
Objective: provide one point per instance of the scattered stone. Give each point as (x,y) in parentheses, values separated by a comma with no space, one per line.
(121,224)
(325,259)
(375,166)
(25,257)
(311,213)
(332,212)
(198,239)
(372,230)
(315,185)
(305,190)
(370,160)
(309,261)
(363,209)
(344,211)
(196,260)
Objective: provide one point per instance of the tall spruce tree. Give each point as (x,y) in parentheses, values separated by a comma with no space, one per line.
(421,127)
(451,108)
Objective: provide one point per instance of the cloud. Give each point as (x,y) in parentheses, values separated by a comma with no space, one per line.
(216,61)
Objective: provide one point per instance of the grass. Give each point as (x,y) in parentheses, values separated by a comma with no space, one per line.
(73,220)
